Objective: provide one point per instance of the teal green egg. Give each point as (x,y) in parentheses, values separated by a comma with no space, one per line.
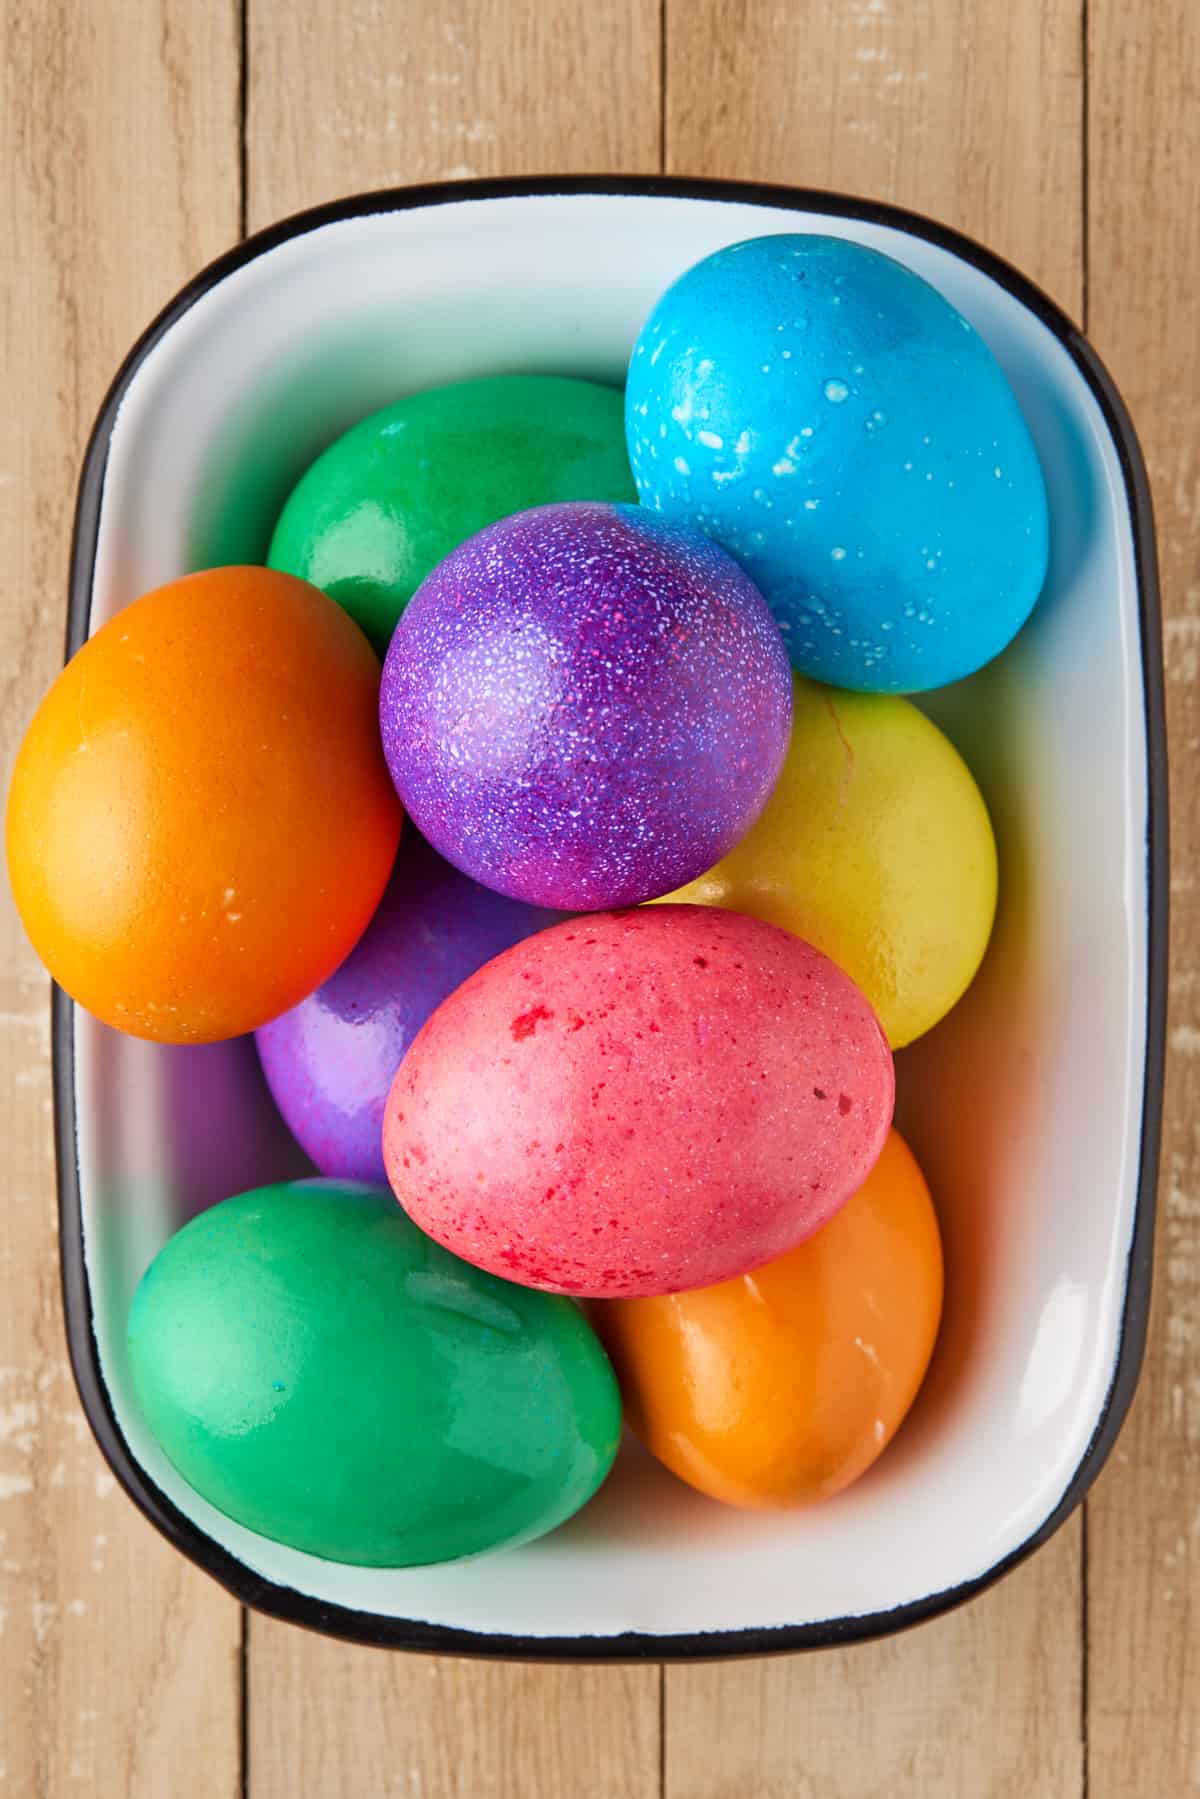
(321,1371)
(397,492)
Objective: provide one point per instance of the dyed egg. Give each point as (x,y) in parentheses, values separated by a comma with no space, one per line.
(782,1387)
(584,707)
(330,1061)
(640,1101)
(875,846)
(826,415)
(402,488)
(200,823)
(324,1374)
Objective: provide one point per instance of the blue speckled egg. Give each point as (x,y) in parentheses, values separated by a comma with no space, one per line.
(581,702)
(837,425)
(331,1060)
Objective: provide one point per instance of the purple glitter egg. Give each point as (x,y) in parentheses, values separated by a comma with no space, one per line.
(330,1061)
(584,707)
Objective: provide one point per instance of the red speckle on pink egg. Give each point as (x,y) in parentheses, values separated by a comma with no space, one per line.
(528,1022)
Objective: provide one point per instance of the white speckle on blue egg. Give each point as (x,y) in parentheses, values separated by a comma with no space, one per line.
(836,392)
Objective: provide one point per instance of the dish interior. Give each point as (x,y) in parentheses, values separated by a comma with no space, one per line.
(1025,1106)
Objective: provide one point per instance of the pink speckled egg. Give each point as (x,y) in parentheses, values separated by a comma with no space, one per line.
(639,1102)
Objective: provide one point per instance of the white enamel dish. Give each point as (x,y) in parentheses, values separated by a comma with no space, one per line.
(1034,1108)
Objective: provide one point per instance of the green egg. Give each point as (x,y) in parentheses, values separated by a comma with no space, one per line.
(322,1372)
(402,488)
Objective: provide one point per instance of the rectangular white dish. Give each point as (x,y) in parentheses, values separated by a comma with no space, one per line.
(1034,1108)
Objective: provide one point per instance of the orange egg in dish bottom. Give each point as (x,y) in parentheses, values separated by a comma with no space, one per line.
(782,1386)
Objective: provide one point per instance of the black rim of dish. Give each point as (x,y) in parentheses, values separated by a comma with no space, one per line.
(399,1633)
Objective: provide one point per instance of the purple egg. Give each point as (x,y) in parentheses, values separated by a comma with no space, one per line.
(585,707)
(330,1061)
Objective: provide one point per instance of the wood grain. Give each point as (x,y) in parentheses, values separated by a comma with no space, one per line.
(973,113)
(363,94)
(118,1661)
(357,96)
(966,110)
(431,1728)
(1144,316)
(983,1703)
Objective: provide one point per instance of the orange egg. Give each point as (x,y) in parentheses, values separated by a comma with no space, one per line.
(783,1386)
(200,822)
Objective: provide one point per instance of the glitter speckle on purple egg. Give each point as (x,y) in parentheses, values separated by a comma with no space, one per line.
(330,1061)
(585,707)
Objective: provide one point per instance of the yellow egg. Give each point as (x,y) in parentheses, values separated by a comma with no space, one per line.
(875,846)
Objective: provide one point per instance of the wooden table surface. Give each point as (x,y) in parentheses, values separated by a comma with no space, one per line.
(140,138)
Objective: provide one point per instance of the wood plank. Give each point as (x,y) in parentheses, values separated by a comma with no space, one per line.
(972,113)
(118,127)
(1144,317)
(367,94)
(981,1703)
(359,94)
(965,110)
(363,1721)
